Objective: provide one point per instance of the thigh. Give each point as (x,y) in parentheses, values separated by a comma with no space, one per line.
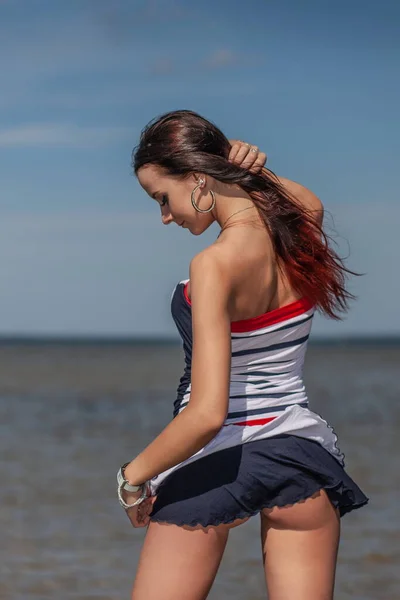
(179,562)
(300,544)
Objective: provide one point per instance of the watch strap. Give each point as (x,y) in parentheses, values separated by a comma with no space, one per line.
(124,484)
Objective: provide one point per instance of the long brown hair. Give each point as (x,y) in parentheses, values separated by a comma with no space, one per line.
(183,142)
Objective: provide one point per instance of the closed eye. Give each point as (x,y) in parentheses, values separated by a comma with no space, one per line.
(164,200)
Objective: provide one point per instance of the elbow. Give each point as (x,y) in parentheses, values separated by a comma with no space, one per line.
(207,425)
(211,424)
(215,426)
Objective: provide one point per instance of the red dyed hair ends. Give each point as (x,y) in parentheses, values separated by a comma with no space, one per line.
(183,142)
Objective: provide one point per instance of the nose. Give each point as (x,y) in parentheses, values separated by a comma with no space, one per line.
(166,219)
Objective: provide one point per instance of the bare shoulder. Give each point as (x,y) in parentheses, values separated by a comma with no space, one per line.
(304,196)
(210,274)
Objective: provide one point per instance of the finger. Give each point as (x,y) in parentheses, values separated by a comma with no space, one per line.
(142,517)
(143,511)
(144,514)
(148,508)
(132,519)
(135,519)
(259,162)
(234,149)
(149,501)
(234,142)
(250,158)
(145,521)
(242,153)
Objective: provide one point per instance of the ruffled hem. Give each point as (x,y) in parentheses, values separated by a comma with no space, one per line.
(239,482)
(342,498)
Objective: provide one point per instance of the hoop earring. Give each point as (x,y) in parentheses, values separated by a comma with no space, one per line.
(201,210)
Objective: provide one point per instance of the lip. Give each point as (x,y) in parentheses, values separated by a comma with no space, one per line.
(181,224)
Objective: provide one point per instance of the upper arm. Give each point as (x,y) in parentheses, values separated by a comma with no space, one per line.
(306,197)
(211,353)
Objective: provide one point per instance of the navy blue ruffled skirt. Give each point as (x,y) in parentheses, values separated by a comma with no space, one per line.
(240,481)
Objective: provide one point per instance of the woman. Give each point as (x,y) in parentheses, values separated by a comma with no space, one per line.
(243,440)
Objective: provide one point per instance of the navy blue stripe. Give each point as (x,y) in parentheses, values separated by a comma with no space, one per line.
(249,395)
(260,411)
(263,373)
(255,333)
(259,384)
(276,362)
(293,343)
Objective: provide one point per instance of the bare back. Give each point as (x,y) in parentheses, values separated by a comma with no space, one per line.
(259,285)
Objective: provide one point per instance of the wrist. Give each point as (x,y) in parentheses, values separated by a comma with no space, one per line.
(129,492)
(129,475)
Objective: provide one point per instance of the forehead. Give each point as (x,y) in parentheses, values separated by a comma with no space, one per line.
(150,176)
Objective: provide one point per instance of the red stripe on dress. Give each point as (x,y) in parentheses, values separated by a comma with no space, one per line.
(186,294)
(294,309)
(253,422)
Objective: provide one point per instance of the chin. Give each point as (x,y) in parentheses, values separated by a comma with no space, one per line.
(198,230)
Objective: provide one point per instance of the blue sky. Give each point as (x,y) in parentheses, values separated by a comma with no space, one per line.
(314,84)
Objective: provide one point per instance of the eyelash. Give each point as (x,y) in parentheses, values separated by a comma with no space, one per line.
(164,200)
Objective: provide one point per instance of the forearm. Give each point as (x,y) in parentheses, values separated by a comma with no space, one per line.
(185,435)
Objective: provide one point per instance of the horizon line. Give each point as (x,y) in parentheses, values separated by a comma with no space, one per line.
(369,339)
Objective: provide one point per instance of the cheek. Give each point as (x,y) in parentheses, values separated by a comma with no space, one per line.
(181,207)
(181,203)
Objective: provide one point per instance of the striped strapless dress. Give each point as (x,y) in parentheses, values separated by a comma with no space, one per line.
(272,449)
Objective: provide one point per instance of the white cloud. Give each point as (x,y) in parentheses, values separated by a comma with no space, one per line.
(224,57)
(53,134)
(84,59)
(34,53)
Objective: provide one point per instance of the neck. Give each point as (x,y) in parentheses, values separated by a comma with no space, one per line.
(232,201)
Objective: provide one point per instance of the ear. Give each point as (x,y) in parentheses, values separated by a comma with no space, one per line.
(197,177)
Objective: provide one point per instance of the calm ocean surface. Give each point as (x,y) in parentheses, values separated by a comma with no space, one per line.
(70,414)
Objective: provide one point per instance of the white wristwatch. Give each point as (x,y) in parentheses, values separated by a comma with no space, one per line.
(124,485)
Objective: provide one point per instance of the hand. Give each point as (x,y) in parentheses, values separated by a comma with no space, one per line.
(243,154)
(139,515)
